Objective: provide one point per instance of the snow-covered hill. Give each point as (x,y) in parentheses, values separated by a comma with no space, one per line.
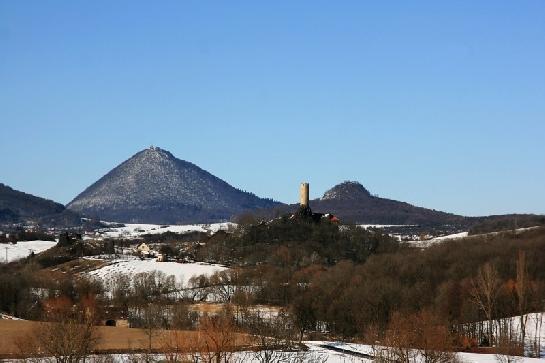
(461,235)
(133,230)
(153,186)
(182,272)
(23,249)
(18,207)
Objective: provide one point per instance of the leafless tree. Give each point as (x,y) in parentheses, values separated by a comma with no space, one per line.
(535,346)
(223,284)
(414,338)
(508,348)
(521,289)
(274,340)
(69,337)
(484,290)
(153,319)
(217,338)
(179,347)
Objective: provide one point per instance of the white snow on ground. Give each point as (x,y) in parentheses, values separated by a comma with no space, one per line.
(8,317)
(319,352)
(455,236)
(335,357)
(316,353)
(181,271)
(534,332)
(137,230)
(491,358)
(429,242)
(366,226)
(23,249)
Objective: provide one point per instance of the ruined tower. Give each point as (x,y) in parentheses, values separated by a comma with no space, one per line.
(303,195)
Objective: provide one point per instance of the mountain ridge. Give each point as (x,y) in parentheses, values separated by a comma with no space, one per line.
(20,207)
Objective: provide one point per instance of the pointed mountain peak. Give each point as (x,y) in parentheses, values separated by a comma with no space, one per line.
(155,151)
(153,186)
(347,190)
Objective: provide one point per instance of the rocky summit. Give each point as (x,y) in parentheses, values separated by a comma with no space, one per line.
(153,186)
(348,190)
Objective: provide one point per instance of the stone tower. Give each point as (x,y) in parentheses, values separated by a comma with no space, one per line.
(303,195)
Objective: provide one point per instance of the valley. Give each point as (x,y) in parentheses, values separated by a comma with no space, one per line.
(165,261)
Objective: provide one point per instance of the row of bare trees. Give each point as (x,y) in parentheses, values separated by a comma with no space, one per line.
(508,333)
(71,336)
(421,337)
(68,334)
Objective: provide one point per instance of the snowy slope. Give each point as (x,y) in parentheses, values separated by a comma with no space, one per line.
(23,249)
(181,271)
(367,226)
(318,352)
(461,235)
(136,230)
(429,242)
(153,186)
(334,357)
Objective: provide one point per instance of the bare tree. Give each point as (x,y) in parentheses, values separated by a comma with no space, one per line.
(521,289)
(274,340)
(484,291)
(223,284)
(153,319)
(69,336)
(179,346)
(217,338)
(420,337)
(508,348)
(535,346)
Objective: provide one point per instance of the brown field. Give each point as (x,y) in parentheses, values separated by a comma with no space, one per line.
(111,339)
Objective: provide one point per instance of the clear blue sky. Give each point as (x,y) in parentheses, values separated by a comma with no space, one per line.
(441,104)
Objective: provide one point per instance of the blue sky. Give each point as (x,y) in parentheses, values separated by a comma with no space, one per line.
(441,104)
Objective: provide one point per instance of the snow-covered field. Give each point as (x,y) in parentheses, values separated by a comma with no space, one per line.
(429,242)
(338,357)
(137,230)
(367,226)
(461,235)
(534,330)
(329,352)
(491,358)
(23,249)
(181,271)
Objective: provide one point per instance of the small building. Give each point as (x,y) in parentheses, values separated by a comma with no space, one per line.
(331,217)
(123,323)
(143,248)
(161,257)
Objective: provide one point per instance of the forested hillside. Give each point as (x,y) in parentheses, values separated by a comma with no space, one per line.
(350,279)
(18,207)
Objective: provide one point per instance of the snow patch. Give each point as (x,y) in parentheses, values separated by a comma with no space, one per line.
(182,272)
(23,249)
(137,230)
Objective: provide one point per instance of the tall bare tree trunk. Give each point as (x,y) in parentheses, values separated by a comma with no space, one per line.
(521,290)
(485,287)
